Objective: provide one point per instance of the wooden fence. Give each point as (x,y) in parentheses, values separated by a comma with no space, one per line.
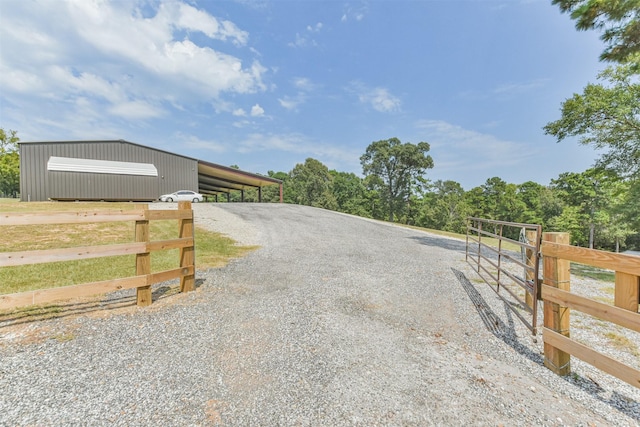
(141,247)
(558,301)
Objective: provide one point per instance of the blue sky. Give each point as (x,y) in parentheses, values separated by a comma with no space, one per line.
(267,84)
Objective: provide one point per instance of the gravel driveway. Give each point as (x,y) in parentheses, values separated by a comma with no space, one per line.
(334,321)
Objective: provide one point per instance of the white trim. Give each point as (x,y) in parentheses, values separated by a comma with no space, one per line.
(70,164)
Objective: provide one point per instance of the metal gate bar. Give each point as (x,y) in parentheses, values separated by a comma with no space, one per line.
(477,254)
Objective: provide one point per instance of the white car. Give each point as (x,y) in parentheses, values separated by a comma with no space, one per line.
(182,196)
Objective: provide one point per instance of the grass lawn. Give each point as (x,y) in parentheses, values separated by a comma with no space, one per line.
(212,249)
(489,241)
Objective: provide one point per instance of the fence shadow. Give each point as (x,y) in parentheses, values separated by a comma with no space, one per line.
(441,242)
(107,302)
(506,333)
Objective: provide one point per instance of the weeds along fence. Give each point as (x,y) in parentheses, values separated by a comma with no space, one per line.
(141,247)
(559,300)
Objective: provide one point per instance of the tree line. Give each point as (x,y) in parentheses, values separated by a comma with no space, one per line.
(9,164)
(597,207)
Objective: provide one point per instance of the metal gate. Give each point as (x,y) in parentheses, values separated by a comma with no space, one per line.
(492,248)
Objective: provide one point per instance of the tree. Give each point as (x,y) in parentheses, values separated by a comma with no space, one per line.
(350,193)
(271,193)
(444,208)
(551,206)
(9,163)
(399,167)
(630,208)
(530,194)
(607,117)
(501,202)
(311,183)
(617,225)
(588,193)
(619,19)
(571,221)
(375,203)
(477,203)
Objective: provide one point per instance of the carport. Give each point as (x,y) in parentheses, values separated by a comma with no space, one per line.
(214,179)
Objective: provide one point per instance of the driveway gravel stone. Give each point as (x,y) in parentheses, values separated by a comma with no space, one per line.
(333,321)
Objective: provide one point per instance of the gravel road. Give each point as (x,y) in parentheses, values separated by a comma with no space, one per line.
(334,321)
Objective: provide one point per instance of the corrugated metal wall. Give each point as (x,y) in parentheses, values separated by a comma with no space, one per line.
(38,184)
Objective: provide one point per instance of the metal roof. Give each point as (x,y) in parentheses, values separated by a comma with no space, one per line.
(217,178)
(212,178)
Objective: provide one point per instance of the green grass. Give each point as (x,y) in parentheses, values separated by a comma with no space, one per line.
(591,272)
(212,249)
(489,241)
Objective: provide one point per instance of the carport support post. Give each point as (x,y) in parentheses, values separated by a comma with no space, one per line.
(556,317)
(143,262)
(187,255)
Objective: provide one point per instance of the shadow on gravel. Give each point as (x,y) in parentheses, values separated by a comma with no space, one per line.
(506,332)
(108,302)
(441,242)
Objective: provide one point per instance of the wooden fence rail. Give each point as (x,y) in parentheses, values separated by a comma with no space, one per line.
(141,248)
(558,301)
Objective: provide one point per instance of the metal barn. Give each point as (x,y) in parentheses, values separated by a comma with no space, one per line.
(121,171)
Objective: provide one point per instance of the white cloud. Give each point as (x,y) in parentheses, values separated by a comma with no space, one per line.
(379,98)
(136,110)
(295,143)
(455,148)
(259,5)
(73,64)
(304,86)
(505,90)
(290,103)
(355,12)
(239,112)
(241,123)
(304,83)
(257,111)
(115,35)
(315,28)
(84,83)
(303,40)
(191,18)
(518,88)
(24,81)
(192,141)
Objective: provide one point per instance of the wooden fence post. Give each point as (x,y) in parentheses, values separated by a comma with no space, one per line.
(627,293)
(187,255)
(143,262)
(556,317)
